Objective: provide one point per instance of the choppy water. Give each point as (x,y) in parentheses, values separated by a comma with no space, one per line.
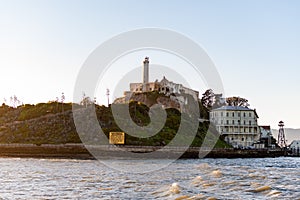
(270,178)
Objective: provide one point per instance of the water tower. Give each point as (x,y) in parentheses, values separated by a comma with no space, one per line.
(281,135)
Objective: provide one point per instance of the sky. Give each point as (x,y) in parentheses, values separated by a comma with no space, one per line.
(255,46)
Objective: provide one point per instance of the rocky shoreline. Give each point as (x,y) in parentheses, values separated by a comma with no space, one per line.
(78,151)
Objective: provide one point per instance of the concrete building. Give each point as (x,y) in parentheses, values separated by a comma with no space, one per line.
(265,131)
(295,144)
(295,147)
(145,75)
(164,86)
(237,124)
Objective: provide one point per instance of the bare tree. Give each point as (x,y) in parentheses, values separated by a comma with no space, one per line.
(14,101)
(86,100)
(62,99)
(57,101)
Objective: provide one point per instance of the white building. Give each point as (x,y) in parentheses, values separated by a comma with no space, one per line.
(295,147)
(237,124)
(164,86)
(295,144)
(265,131)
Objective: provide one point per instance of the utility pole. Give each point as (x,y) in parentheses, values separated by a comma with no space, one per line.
(107,94)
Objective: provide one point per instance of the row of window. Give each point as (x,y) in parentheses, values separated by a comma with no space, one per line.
(238,122)
(237,130)
(243,139)
(232,114)
(140,89)
(150,89)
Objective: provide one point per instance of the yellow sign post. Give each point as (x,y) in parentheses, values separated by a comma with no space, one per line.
(116,137)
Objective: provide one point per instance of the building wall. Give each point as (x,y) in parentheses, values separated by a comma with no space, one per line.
(169,87)
(164,86)
(238,126)
(295,144)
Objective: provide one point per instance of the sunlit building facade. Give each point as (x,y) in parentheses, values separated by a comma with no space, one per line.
(237,124)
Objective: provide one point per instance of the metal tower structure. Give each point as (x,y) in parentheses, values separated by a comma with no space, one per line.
(281,135)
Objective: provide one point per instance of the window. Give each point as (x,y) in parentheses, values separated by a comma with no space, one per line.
(221,114)
(244,114)
(249,114)
(242,139)
(233,114)
(244,122)
(239,122)
(232,138)
(232,121)
(239,114)
(221,121)
(227,114)
(249,122)
(227,121)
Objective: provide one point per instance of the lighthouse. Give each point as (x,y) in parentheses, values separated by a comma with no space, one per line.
(145,74)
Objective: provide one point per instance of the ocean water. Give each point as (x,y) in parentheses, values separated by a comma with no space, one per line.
(265,178)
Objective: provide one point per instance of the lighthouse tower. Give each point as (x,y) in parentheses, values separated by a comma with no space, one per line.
(145,74)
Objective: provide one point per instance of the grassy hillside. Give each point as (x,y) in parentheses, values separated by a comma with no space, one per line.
(52,123)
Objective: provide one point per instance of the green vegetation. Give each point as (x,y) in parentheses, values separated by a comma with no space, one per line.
(52,123)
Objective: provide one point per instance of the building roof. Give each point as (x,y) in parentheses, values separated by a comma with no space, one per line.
(233,108)
(236,108)
(295,141)
(266,127)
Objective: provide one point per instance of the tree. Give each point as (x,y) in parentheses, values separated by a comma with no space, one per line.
(14,101)
(211,100)
(62,101)
(57,100)
(237,101)
(219,101)
(86,100)
(207,99)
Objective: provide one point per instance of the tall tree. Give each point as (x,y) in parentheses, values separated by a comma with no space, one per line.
(62,98)
(237,101)
(86,100)
(207,99)
(14,101)
(211,100)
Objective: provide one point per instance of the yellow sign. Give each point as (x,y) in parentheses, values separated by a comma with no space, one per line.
(116,137)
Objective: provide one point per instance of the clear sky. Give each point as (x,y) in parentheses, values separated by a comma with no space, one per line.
(254,44)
